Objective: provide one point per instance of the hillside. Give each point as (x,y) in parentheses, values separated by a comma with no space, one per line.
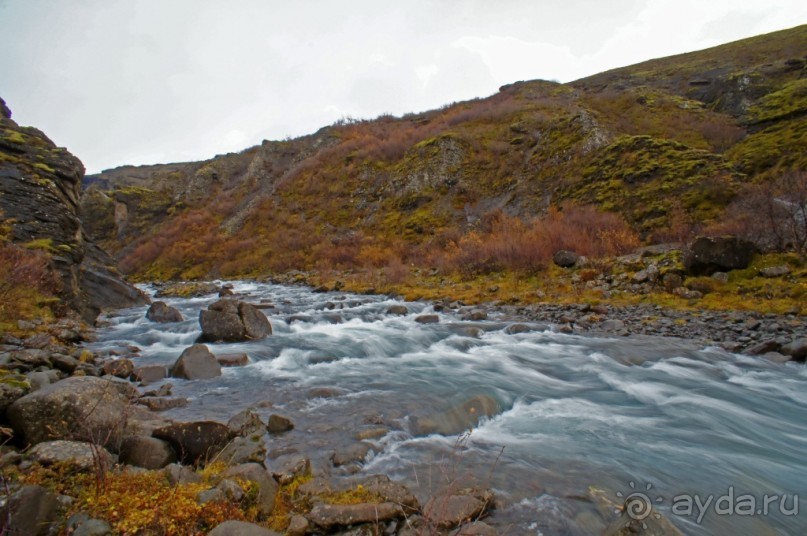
(46,259)
(644,154)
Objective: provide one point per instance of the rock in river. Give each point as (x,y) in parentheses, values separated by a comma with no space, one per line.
(196,363)
(232,321)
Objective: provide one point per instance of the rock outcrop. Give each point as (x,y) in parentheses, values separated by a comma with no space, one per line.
(40,186)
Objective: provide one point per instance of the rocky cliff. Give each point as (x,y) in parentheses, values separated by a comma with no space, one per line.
(40,187)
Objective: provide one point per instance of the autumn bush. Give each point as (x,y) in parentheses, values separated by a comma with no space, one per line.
(773,214)
(27,281)
(508,243)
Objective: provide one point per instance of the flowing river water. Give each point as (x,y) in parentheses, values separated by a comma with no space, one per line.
(708,436)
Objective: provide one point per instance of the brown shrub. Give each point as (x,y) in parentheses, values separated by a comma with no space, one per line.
(773,215)
(21,268)
(508,243)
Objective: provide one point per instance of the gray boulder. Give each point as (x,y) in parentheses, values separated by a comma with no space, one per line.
(332,516)
(81,408)
(160,311)
(233,360)
(196,362)
(451,508)
(149,373)
(147,452)
(267,487)
(243,450)
(121,367)
(709,254)
(565,258)
(240,528)
(231,321)
(278,424)
(14,387)
(78,454)
(83,525)
(797,350)
(246,422)
(256,325)
(31,511)
(393,492)
(195,442)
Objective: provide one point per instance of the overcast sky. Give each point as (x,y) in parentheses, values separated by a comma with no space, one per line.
(148,81)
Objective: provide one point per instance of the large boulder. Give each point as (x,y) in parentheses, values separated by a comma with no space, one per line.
(196,363)
(83,408)
(160,311)
(565,258)
(709,254)
(195,442)
(31,511)
(72,453)
(147,452)
(797,349)
(232,321)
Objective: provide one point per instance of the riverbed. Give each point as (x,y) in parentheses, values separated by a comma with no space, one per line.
(560,412)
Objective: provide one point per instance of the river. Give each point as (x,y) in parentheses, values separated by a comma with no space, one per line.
(701,432)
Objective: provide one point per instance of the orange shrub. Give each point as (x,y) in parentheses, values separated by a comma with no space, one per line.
(509,243)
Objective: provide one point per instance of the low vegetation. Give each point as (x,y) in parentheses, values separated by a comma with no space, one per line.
(652,153)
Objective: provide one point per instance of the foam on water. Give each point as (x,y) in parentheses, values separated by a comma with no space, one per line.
(573,411)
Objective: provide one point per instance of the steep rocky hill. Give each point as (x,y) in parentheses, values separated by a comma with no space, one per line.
(668,145)
(40,186)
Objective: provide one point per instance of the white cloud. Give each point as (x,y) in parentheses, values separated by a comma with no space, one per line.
(147,80)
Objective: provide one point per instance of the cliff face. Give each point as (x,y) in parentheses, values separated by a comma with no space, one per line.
(40,187)
(670,140)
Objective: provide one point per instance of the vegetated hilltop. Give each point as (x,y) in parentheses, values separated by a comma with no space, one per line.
(646,153)
(46,260)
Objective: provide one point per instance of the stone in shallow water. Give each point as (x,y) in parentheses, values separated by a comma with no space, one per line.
(427,319)
(161,312)
(451,508)
(233,360)
(196,363)
(278,424)
(149,373)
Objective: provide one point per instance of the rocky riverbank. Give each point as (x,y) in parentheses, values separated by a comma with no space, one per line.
(88,437)
(777,337)
(89,453)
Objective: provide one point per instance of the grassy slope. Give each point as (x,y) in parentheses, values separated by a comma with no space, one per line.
(664,141)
